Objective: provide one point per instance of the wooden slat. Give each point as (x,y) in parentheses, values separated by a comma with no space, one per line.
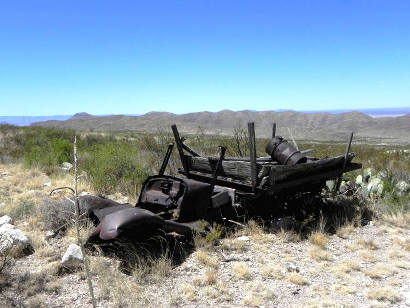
(180,149)
(339,179)
(235,169)
(313,178)
(282,173)
(252,154)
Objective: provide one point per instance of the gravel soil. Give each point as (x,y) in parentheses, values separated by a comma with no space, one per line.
(366,266)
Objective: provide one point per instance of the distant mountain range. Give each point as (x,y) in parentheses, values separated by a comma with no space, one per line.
(373,112)
(302,125)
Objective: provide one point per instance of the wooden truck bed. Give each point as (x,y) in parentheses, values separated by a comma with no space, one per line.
(263,174)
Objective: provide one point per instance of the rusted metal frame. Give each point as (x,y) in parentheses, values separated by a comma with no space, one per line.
(339,179)
(274,130)
(252,152)
(180,149)
(189,150)
(166,158)
(221,157)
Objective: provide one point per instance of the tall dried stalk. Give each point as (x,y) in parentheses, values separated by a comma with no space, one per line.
(77,227)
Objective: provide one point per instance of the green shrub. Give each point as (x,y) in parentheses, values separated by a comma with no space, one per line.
(115,166)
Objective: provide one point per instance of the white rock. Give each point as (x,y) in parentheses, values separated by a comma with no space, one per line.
(72,257)
(5,220)
(359,180)
(11,237)
(243,238)
(47,184)
(84,193)
(66,166)
(292,267)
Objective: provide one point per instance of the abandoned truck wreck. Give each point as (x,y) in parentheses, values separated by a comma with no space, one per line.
(216,189)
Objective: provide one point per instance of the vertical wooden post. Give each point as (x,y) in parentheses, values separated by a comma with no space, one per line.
(339,179)
(274,130)
(166,159)
(180,149)
(252,152)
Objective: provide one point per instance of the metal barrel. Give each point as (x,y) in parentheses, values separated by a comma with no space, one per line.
(283,152)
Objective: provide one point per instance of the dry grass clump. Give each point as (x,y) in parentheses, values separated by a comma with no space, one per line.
(211,276)
(368,256)
(320,254)
(289,236)
(384,294)
(241,271)
(257,294)
(399,219)
(206,259)
(272,271)
(256,232)
(402,242)
(113,285)
(297,278)
(378,271)
(368,244)
(345,231)
(402,264)
(188,292)
(318,239)
(151,269)
(234,245)
(347,266)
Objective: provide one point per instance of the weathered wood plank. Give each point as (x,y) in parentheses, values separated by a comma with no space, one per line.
(281,173)
(180,148)
(234,169)
(252,154)
(322,176)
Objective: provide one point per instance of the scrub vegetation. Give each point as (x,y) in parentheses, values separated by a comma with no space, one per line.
(334,259)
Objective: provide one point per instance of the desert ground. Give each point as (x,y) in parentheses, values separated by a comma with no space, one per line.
(358,266)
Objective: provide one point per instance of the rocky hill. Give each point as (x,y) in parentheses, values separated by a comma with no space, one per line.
(311,126)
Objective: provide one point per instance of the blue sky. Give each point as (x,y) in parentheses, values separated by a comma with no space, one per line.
(132,57)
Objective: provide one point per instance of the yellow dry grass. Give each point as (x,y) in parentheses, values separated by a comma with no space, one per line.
(379,271)
(297,278)
(318,239)
(272,271)
(319,254)
(384,294)
(241,271)
(205,258)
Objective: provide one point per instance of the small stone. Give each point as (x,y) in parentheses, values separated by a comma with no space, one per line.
(47,184)
(5,220)
(49,234)
(66,166)
(72,257)
(292,267)
(243,238)
(359,180)
(84,193)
